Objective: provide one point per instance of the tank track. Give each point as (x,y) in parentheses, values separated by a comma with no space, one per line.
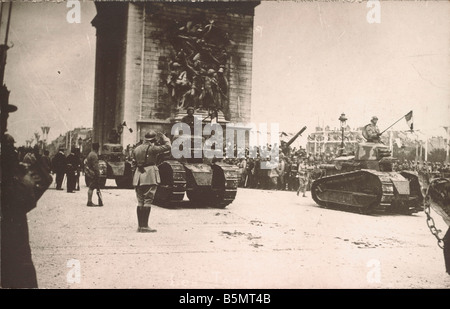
(224,185)
(365,191)
(222,190)
(172,187)
(392,203)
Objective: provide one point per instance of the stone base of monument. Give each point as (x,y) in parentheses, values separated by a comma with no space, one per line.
(202,114)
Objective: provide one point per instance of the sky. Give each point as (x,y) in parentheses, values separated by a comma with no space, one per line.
(312,61)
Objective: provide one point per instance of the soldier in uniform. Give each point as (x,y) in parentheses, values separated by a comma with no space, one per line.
(371,131)
(293,173)
(250,174)
(92,171)
(146,175)
(281,172)
(302,179)
(189,118)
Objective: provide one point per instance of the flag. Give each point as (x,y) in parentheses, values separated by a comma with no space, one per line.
(409,120)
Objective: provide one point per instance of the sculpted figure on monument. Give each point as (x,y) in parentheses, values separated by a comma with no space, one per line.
(197,75)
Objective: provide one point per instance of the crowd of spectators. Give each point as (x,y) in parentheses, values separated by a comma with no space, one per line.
(62,165)
(293,162)
(432,168)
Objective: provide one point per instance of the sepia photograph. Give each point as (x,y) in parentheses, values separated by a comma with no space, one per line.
(226,145)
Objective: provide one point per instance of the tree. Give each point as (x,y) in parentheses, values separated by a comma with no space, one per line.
(437,155)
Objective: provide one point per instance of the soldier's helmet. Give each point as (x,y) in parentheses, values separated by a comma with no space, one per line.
(150,136)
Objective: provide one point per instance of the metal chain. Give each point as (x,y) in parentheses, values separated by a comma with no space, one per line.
(430,222)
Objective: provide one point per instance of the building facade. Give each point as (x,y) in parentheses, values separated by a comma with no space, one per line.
(327,141)
(141,45)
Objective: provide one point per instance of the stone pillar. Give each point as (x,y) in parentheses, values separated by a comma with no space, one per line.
(132,63)
(134,67)
(110,23)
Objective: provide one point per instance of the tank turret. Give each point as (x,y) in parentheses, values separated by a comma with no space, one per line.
(207,182)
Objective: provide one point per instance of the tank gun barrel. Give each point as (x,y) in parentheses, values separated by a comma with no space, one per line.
(295,136)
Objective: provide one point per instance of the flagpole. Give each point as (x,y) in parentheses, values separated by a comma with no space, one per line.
(391,146)
(417,152)
(394,123)
(447,159)
(420,152)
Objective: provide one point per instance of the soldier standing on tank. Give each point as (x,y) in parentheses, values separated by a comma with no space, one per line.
(189,118)
(146,176)
(372,132)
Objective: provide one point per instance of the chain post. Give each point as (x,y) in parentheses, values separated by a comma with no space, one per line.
(430,222)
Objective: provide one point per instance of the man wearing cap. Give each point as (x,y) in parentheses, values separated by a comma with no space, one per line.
(17,269)
(146,176)
(372,133)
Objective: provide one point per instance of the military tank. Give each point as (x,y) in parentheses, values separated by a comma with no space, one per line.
(365,182)
(205,182)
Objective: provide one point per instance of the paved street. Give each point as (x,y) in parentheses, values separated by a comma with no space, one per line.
(265,239)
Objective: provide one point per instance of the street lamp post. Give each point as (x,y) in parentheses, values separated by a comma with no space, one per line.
(343,121)
(447,144)
(45,130)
